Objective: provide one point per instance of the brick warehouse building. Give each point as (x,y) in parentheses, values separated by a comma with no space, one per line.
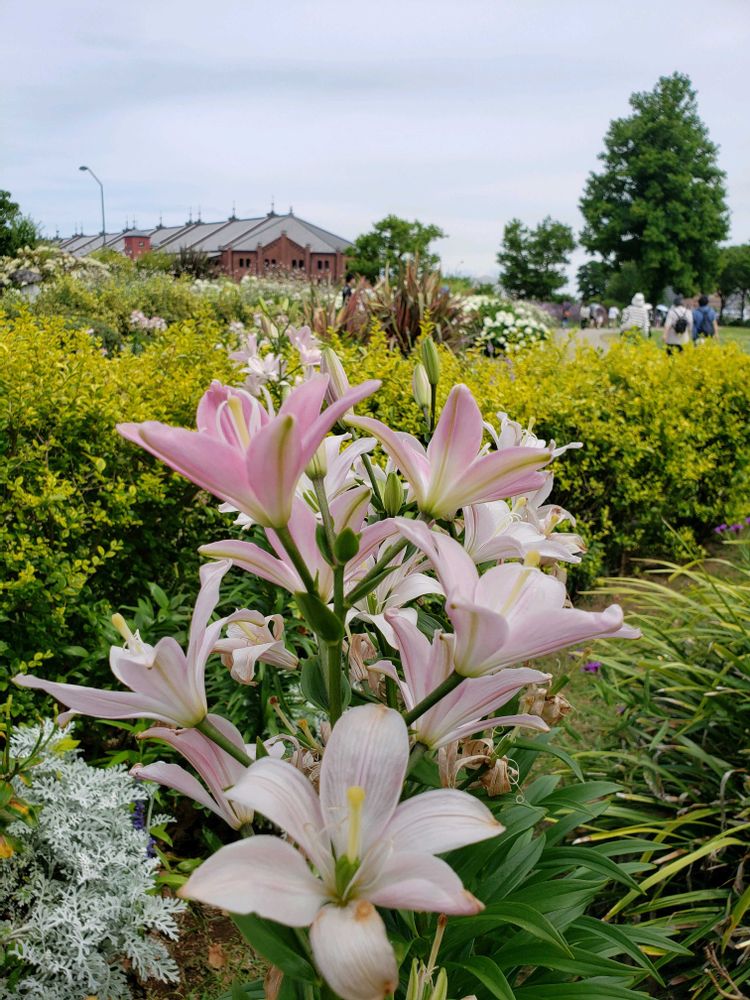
(237,246)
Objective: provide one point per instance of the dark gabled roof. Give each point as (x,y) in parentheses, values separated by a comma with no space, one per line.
(298,231)
(213,237)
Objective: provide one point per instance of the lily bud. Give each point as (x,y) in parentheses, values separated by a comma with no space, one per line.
(431,360)
(338,383)
(420,385)
(317,467)
(268,328)
(393,495)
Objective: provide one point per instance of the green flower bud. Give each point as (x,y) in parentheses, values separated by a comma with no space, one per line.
(431,360)
(338,383)
(420,385)
(317,467)
(346,546)
(393,495)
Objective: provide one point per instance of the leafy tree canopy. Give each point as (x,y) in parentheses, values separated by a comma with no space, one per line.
(390,243)
(16,230)
(592,280)
(659,201)
(734,274)
(532,261)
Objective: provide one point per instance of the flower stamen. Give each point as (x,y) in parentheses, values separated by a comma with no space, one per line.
(355,795)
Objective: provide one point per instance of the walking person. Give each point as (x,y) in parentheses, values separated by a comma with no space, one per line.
(705,323)
(585,315)
(613,315)
(678,326)
(636,315)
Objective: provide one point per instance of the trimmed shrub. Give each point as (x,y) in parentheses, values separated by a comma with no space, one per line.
(666,440)
(73,493)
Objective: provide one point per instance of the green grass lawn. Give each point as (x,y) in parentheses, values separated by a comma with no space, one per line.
(739,334)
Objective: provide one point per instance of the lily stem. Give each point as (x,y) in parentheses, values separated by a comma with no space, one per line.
(365,585)
(371,476)
(209,729)
(285,537)
(325,510)
(449,684)
(333,656)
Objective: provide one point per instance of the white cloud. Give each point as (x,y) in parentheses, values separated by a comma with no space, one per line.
(460,114)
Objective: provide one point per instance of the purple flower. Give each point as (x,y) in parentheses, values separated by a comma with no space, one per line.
(720,528)
(592,667)
(736,528)
(747,520)
(139,815)
(620,709)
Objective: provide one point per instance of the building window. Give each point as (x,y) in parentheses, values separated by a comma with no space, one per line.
(273,262)
(328,265)
(294,264)
(266,262)
(320,265)
(240,262)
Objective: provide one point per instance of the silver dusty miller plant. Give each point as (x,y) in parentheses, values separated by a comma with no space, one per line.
(77,901)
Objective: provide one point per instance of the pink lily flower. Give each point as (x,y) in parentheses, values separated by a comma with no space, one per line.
(453,472)
(510,614)
(492,531)
(469,707)
(338,479)
(349,509)
(400,587)
(218,769)
(366,850)
(546,517)
(243,455)
(307,345)
(165,683)
(251,639)
(511,434)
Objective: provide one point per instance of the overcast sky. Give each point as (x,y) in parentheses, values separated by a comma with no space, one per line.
(464,113)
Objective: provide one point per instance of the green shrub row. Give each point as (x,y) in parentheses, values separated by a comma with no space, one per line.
(86,519)
(666,440)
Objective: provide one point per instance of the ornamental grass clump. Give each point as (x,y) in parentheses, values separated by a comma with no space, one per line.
(677,741)
(372,808)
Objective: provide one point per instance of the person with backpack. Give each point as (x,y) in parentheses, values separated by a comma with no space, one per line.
(705,323)
(678,326)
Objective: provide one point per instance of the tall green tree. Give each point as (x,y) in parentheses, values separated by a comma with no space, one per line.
(734,275)
(390,243)
(659,200)
(532,261)
(592,278)
(16,229)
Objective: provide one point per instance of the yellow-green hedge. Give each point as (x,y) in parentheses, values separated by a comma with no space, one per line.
(85,517)
(666,451)
(87,520)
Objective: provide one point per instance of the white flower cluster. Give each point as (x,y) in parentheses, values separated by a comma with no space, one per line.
(507,327)
(140,321)
(78,899)
(45,263)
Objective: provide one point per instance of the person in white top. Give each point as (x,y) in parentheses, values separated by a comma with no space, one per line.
(613,315)
(635,315)
(678,326)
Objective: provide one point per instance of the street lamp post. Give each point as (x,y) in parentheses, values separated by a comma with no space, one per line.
(101,191)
